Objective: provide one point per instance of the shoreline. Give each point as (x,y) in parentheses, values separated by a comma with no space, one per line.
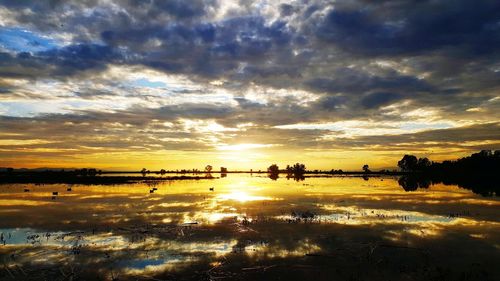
(58,178)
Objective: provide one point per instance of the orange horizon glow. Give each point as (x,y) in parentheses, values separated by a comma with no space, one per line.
(244,158)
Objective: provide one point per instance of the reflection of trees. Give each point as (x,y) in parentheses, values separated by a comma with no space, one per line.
(478,172)
(407,183)
(485,186)
(274,176)
(296,177)
(412,182)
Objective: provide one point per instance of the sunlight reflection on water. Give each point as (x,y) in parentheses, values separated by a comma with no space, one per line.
(195,222)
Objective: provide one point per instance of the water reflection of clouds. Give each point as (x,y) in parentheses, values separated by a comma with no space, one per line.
(185,223)
(138,256)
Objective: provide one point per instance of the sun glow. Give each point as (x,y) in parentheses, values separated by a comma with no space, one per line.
(243,146)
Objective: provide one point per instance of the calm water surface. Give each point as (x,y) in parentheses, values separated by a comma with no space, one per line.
(249,228)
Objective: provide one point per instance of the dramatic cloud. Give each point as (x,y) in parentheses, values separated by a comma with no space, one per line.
(180,83)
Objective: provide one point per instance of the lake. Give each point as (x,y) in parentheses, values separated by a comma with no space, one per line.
(244,227)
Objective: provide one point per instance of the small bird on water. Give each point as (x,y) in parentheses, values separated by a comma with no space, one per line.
(211,189)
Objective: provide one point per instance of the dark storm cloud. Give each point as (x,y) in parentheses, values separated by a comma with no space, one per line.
(80,57)
(331,102)
(65,61)
(408,27)
(177,8)
(20,65)
(378,99)
(156,34)
(204,49)
(346,80)
(148,9)
(287,10)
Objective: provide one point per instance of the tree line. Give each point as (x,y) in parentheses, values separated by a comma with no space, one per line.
(483,162)
(477,172)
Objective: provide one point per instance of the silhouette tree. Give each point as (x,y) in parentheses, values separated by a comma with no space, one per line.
(423,164)
(408,163)
(223,172)
(273,169)
(144,171)
(208,169)
(82,172)
(366,168)
(298,169)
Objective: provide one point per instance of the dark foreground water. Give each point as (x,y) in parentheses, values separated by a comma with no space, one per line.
(248,228)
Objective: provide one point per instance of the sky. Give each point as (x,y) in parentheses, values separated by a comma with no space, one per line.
(180,84)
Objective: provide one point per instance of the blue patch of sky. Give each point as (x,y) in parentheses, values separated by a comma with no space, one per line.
(29,108)
(143,82)
(21,40)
